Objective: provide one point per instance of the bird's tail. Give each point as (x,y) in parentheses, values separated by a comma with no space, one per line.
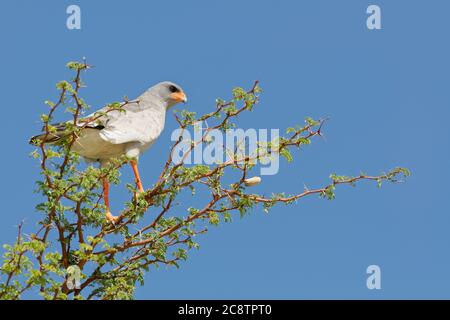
(51,137)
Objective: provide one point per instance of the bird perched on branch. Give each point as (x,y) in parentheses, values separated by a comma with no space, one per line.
(108,134)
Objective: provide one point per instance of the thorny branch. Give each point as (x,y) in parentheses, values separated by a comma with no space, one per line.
(111,258)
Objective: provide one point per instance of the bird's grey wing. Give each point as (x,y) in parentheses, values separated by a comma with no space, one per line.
(142,126)
(105,115)
(115,126)
(116,123)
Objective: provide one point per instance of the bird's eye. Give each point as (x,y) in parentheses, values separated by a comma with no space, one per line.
(173,89)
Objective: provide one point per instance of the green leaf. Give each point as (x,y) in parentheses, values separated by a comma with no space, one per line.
(286,153)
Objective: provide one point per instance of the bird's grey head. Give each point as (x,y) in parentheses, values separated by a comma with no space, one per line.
(168,92)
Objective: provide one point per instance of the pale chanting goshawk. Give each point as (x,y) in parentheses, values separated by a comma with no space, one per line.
(117,133)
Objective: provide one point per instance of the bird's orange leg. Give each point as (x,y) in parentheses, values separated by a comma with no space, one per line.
(134,166)
(108,214)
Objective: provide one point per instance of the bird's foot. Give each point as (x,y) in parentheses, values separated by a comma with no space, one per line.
(112,219)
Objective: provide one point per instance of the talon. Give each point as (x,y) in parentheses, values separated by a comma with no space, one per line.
(112,219)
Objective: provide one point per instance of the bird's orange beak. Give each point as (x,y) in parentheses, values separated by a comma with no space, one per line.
(178,96)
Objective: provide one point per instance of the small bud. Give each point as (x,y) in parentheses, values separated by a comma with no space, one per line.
(252,181)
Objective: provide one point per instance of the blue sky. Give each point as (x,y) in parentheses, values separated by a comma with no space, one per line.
(386,92)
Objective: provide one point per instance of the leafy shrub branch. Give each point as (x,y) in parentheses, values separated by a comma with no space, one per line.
(153,228)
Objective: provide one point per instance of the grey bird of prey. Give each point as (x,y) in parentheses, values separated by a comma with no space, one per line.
(116,133)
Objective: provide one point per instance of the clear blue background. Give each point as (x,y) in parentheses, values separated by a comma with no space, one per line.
(386,92)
